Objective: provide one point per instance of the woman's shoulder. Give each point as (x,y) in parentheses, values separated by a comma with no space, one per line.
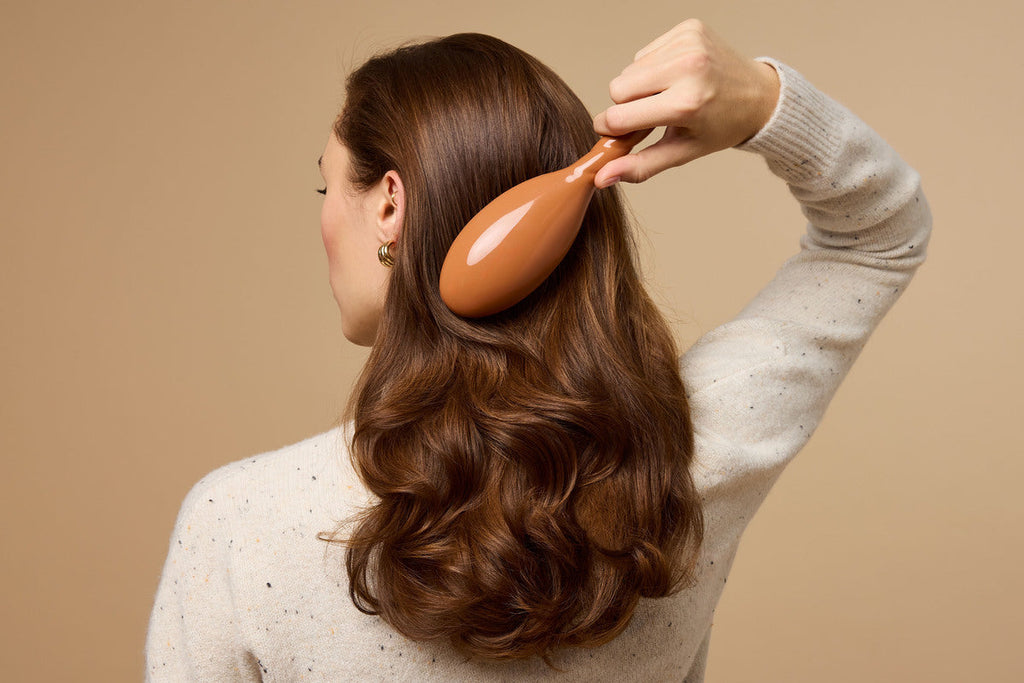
(276,465)
(314,471)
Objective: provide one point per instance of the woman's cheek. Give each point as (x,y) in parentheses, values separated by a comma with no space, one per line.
(327,232)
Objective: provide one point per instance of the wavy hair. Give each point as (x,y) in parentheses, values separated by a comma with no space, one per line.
(530,468)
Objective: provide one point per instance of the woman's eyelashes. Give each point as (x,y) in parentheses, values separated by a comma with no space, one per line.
(323,191)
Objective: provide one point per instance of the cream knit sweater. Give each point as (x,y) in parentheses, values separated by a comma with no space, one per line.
(249,593)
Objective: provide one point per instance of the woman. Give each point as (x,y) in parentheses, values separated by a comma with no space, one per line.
(552,487)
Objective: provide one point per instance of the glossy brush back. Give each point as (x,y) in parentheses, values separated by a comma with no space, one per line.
(519,238)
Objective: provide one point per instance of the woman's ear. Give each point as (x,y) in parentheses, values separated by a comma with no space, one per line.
(390,208)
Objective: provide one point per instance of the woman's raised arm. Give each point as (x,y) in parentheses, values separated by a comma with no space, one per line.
(763,380)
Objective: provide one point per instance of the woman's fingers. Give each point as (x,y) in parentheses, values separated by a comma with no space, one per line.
(677,63)
(648,112)
(665,92)
(688,25)
(652,46)
(675,148)
(601,126)
(707,95)
(633,84)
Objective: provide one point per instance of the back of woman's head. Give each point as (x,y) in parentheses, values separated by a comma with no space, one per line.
(532,466)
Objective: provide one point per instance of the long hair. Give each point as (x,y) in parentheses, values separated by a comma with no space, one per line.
(531,468)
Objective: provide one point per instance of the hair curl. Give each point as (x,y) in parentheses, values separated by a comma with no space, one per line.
(531,468)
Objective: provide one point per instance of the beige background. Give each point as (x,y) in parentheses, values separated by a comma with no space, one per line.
(165,309)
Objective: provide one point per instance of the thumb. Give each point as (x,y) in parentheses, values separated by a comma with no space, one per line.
(674,149)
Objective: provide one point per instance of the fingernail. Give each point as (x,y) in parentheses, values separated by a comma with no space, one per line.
(608,182)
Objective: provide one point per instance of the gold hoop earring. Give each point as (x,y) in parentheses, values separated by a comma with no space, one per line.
(384,254)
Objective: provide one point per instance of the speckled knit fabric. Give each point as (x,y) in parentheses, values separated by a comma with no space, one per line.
(249,593)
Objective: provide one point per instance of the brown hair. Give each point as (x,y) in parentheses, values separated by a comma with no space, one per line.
(532,467)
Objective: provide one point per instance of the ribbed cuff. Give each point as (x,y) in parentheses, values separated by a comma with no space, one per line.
(803,135)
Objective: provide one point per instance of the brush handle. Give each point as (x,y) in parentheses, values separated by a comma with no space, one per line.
(606,149)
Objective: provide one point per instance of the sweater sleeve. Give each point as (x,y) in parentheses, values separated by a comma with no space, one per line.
(762,381)
(195,632)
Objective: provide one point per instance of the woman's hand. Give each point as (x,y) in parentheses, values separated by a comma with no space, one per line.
(707,95)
